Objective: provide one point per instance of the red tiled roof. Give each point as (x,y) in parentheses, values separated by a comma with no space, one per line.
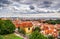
(26,24)
(49,29)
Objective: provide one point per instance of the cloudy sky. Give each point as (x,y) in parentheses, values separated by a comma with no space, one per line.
(18,7)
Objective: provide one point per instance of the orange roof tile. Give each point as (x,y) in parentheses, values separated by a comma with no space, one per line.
(26,24)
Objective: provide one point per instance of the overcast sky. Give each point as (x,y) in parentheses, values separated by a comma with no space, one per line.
(18,7)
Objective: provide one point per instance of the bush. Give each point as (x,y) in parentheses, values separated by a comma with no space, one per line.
(22,31)
(50,37)
(59,33)
(6,27)
(37,35)
(1,37)
(37,29)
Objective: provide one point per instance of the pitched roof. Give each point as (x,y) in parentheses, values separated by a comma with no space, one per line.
(26,24)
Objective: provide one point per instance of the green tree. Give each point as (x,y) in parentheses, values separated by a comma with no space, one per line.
(50,37)
(53,21)
(37,29)
(37,35)
(6,27)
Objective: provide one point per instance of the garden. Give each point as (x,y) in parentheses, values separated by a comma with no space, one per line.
(10,36)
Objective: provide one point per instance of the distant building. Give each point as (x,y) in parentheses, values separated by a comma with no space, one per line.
(49,29)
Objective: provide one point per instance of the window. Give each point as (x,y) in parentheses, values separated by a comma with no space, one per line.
(28,28)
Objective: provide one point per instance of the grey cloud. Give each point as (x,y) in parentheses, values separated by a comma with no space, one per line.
(49,4)
(1,5)
(38,3)
(32,7)
(4,2)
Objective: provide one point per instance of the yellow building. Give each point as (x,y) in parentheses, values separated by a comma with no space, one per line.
(27,26)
